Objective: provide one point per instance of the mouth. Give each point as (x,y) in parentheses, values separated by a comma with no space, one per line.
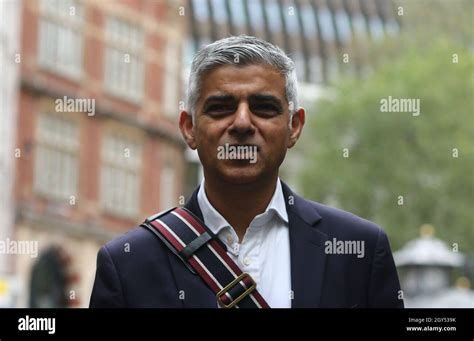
(253,146)
(240,153)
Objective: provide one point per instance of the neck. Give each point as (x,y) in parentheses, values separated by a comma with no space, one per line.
(240,203)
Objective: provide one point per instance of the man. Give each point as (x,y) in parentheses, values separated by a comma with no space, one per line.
(242,117)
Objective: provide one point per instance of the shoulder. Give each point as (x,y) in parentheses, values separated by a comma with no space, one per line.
(345,220)
(326,217)
(137,234)
(138,242)
(342,227)
(337,223)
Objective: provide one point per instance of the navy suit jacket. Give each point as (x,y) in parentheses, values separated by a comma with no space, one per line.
(137,269)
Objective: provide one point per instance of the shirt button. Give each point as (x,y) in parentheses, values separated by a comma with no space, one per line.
(247,261)
(236,248)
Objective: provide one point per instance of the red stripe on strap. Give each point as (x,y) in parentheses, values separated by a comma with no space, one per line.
(219,249)
(222,253)
(178,246)
(203,273)
(164,231)
(190,219)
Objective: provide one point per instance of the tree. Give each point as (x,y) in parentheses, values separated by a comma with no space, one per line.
(396,168)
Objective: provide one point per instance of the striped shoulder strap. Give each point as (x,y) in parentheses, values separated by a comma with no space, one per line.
(203,253)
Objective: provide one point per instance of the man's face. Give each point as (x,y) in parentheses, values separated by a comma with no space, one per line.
(242,106)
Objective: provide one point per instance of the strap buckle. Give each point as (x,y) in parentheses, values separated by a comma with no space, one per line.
(241,296)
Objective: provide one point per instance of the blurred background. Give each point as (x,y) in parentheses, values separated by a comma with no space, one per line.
(72,178)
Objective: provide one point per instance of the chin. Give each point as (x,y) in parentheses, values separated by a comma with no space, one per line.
(241,175)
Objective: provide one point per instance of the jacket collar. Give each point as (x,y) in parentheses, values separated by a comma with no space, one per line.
(308,258)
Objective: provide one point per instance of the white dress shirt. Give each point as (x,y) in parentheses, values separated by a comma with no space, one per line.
(265,249)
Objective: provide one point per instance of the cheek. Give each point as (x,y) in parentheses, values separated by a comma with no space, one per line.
(277,137)
(208,139)
(205,135)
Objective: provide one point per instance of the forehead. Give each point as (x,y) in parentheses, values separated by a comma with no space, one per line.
(243,81)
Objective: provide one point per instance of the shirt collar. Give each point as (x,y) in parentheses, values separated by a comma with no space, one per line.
(216,222)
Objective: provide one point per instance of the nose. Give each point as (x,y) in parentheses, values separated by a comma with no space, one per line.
(242,124)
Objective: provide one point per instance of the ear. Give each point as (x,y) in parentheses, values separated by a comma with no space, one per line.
(296,126)
(187,129)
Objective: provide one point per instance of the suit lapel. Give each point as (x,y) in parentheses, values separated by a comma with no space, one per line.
(308,259)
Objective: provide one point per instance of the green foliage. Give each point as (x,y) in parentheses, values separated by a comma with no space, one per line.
(394,154)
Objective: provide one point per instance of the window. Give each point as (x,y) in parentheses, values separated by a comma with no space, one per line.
(309,22)
(327,28)
(392,26)
(291,16)
(60,38)
(124,74)
(171,83)
(255,13)
(237,13)
(167,189)
(188,52)
(201,10)
(273,14)
(120,176)
(220,12)
(343,26)
(359,24)
(376,28)
(56,157)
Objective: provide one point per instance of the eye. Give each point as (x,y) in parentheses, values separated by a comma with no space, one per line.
(219,108)
(266,109)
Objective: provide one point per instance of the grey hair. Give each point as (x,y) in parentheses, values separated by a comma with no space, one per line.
(241,50)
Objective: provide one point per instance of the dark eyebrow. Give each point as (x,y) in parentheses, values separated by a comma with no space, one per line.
(266,98)
(219,98)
